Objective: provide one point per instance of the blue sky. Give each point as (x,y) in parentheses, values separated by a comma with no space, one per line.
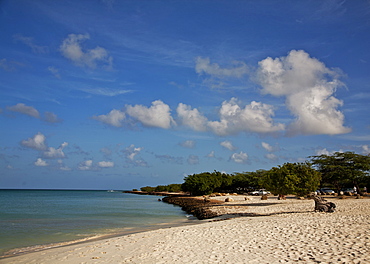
(122,94)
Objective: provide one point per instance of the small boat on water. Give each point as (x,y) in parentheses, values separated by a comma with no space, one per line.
(110,191)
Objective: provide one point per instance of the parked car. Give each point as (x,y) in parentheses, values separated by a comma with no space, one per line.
(348,191)
(326,191)
(259,192)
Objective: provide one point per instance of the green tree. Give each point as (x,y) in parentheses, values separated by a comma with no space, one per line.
(343,168)
(205,183)
(248,180)
(147,189)
(292,178)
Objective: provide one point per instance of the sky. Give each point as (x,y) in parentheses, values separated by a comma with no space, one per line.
(109,94)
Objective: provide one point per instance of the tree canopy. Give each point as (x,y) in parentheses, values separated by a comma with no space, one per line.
(343,168)
(206,182)
(292,178)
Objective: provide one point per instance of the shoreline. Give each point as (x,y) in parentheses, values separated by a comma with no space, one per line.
(288,230)
(19,251)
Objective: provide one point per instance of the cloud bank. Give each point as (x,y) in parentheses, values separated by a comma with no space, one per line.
(306,83)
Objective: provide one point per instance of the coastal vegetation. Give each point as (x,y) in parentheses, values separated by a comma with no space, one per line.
(337,171)
(343,169)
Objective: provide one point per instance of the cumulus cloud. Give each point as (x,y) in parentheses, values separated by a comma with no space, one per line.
(157,115)
(86,165)
(255,117)
(227,144)
(106,164)
(211,154)
(24,109)
(131,152)
(240,157)
(72,49)
(324,151)
(271,156)
(267,146)
(191,117)
(113,118)
(62,166)
(188,144)
(53,153)
(308,86)
(365,149)
(37,142)
(41,163)
(204,66)
(193,160)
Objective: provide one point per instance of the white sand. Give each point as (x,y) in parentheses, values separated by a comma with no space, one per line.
(293,233)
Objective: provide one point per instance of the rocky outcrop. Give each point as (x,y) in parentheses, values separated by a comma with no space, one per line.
(196,206)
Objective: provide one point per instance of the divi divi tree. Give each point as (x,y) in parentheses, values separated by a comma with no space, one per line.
(343,168)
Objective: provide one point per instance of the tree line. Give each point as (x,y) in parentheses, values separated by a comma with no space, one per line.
(339,170)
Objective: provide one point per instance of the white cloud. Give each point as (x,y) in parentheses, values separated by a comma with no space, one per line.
(86,165)
(38,142)
(255,117)
(193,160)
(113,118)
(106,164)
(271,156)
(105,91)
(41,163)
(227,144)
(191,117)
(267,146)
(324,151)
(365,149)
(24,109)
(204,66)
(53,153)
(188,144)
(131,152)
(71,49)
(62,166)
(308,86)
(158,115)
(211,154)
(240,157)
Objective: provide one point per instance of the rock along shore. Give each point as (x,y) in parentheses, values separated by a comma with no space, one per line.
(197,206)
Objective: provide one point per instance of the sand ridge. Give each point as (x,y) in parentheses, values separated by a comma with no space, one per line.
(290,232)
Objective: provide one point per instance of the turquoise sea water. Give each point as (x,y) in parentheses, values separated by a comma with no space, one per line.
(39,217)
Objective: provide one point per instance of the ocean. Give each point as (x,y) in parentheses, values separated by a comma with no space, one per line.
(32,219)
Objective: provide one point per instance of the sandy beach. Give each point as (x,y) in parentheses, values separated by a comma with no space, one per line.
(286,231)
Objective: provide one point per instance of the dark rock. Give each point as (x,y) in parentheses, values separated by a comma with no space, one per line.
(194,205)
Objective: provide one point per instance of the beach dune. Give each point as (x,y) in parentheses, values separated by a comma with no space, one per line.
(286,231)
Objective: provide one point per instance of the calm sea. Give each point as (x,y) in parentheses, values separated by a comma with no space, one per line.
(40,217)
